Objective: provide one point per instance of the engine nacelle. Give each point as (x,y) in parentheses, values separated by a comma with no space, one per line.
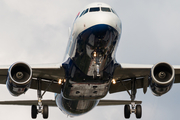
(19,78)
(162,78)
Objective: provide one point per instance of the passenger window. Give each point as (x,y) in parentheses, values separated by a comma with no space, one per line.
(94,9)
(105,9)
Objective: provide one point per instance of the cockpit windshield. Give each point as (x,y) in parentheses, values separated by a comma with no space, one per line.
(95,9)
(104,9)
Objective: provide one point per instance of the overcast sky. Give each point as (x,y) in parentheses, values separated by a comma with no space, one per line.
(36,31)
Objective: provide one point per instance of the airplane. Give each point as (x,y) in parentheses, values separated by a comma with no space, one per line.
(89,70)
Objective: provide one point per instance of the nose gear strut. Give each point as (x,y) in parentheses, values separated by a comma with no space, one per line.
(97,59)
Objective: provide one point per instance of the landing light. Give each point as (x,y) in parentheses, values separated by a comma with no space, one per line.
(60,81)
(113,81)
(94,54)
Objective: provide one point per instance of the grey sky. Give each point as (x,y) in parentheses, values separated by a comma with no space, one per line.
(37,32)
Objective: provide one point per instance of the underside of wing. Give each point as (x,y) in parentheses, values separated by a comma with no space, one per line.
(48,71)
(159,77)
(128,71)
(49,74)
(177,73)
(3,73)
(124,73)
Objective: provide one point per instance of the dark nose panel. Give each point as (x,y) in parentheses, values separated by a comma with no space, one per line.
(101,39)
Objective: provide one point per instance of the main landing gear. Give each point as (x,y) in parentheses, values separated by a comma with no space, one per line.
(41,108)
(136,109)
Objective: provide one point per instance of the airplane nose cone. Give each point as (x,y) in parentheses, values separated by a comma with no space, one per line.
(104,18)
(95,18)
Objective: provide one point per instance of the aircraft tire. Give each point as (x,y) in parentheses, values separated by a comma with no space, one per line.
(33,111)
(127,111)
(45,111)
(138,111)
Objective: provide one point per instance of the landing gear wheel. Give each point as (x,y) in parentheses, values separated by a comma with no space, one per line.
(34,111)
(138,111)
(127,111)
(45,111)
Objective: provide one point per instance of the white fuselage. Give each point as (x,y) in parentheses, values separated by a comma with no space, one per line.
(83,22)
(89,59)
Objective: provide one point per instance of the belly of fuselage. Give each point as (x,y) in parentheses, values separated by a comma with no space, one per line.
(75,107)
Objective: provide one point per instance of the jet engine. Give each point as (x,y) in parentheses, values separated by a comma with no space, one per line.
(19,78)
(162,78)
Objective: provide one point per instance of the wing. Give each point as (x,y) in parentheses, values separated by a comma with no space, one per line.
(124,74)
(49,73)
(3,74)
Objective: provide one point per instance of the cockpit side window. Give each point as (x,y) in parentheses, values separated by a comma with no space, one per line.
(95,9)
(105,9)
(85,11)
(82,13)
(114,12)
